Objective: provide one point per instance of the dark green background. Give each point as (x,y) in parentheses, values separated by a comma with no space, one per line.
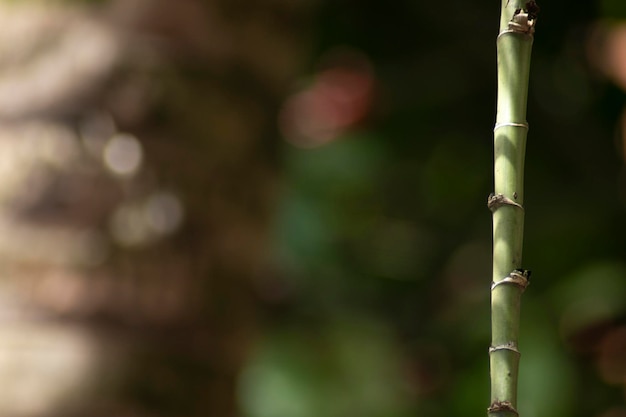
(384,235)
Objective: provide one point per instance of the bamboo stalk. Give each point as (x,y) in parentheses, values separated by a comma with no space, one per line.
(514,43)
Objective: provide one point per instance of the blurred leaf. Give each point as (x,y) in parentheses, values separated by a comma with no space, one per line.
(350,367)
(591,294)
(547,378)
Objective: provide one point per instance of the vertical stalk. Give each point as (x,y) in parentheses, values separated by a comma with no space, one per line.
(514,45)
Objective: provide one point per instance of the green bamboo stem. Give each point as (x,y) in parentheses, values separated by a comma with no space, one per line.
(514,45)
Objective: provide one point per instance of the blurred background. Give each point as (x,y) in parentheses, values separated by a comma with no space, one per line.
(277,208)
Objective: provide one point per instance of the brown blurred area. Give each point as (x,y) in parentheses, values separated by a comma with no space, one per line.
(138,172)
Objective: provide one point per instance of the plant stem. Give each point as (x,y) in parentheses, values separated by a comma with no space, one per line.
(514,45)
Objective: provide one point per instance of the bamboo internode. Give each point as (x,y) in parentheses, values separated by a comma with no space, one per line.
(514,44)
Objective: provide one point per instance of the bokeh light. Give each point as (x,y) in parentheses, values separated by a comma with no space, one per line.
(338,99)
(123,154)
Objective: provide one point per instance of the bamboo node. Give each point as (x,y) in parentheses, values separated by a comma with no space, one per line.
(497,200)
(499,406)
(524,20)
(519,277)
(507,346)
(499,125)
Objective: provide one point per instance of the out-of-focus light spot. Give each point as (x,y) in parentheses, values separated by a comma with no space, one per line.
(606,50)
(164,212)
(339,98)
(615,57)
(123,154)
(140,223)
